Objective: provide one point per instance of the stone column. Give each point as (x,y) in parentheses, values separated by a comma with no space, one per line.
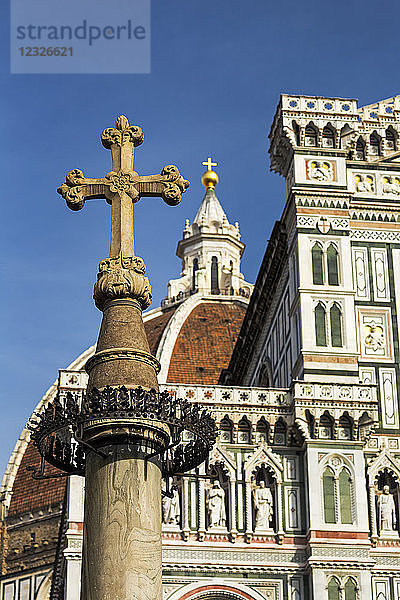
(232,515)
(249,512)
(202,507)
(185,520)
(372,512)
(122,535)
(279,513)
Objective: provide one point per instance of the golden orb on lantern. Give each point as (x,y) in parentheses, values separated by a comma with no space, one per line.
(209,179)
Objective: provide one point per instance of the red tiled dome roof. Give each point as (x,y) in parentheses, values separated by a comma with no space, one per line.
(202,348)
(205,343)
(33,494)
(155,328)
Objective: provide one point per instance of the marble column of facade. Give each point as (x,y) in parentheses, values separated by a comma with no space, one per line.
(185,509)
(248,512)
(372,512)
(279,511)
(337,498)
(202,506)
(232,511)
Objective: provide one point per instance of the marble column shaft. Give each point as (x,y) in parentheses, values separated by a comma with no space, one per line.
(122,534)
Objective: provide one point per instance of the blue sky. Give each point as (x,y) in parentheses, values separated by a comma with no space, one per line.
(218,68)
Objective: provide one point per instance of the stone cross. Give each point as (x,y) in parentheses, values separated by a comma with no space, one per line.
(123,186)
(209,164)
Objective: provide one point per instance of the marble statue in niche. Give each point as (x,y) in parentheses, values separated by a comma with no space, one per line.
(216,506)
(264,507)
(387,513)
(171,510)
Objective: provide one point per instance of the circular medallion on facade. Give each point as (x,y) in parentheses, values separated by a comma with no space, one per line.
(323,225)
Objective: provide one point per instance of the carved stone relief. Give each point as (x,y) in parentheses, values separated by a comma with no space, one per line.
(364,183)
(375,334)
(320,170)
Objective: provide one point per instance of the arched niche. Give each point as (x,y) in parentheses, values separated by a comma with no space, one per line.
(264,499)
(383,471)
(222,469)
(226,430)
(244,431)
(387,498)
(267,465)
(263,431)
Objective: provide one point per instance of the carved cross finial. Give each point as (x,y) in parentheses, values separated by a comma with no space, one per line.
(123,186)
(209,164)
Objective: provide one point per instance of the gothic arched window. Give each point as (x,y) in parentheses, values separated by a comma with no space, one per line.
(360,149)
(328,485)
(333,589)
(320,325)
(263,430)
(311,424)
(375,144)
(244,431)
(328,137)
(226,429)
(390,139)
(326,426)
(195,269)
(338,493)
(214,275)
(311,135)
(332,257)
(280,433)
(317,259)
(336,326)
(345,493)
(345,427)
(350,589)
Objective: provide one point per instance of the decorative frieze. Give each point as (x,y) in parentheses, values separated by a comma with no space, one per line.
(227,558)
(333,392)
(324,224)
(221,396)
(375,235)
